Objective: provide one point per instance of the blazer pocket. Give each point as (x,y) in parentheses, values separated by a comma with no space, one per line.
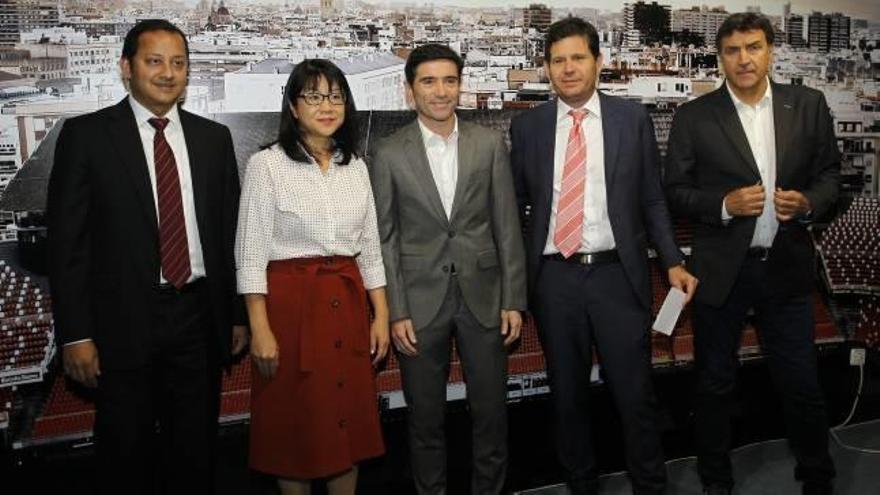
(487,259)
(410,263)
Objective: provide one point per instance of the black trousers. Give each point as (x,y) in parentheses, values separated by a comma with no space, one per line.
(577,306)
(786,330)
(156,424)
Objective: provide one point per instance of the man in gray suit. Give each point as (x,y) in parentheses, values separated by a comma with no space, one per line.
(455,263)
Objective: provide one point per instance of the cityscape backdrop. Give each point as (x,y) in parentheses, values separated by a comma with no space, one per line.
(58,58)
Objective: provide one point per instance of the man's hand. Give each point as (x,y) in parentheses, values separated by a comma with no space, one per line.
(81,362)
(745,201)
(264,351)
(684,281)
(790,204)
(379,339)
(404,337)
(511,325)
(239,338)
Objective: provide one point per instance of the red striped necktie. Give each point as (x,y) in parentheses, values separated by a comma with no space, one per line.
(173,245)
(570,209)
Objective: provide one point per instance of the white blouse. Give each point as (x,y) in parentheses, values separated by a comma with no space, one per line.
(291,209)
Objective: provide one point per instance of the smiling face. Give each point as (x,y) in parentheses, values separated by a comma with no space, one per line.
(319,121)
(435,89)
(573,70)
(157,72)
(745,58)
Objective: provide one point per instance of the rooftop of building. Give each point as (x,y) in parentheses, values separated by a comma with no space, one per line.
(348,65)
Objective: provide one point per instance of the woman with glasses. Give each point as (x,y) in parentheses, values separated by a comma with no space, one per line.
(308,260)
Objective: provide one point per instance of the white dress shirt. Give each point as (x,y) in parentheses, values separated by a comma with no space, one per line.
(443,160)
(757,122)
(596,235)
(291,209)
(177,141)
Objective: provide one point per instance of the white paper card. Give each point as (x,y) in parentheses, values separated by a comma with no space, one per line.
(668,315)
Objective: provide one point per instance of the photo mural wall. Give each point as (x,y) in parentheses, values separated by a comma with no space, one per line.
(59,59)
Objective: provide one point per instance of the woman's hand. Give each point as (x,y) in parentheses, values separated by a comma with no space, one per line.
(379,339)
(264,351)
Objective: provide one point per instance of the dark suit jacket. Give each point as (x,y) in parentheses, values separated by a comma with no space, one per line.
(709,156)
(482,237)
(104,238)
(636,206)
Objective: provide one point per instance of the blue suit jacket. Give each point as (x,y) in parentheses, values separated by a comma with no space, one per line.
(636,205)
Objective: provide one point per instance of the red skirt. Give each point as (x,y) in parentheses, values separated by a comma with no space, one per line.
(318,416)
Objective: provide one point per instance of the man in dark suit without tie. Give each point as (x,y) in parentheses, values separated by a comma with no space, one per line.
(751,163)
(142,208)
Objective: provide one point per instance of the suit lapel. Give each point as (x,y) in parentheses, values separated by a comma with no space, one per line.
(422,170)
(127,141)
(198,168)
(465,153)
(545,142)
(611,130)
(730,123)
(783,122)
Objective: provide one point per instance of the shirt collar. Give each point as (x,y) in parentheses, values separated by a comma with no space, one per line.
(592,106)
(765,100)
(335,158)
(142,115)
(429,136)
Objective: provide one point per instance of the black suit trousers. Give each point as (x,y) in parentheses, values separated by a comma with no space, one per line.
(786,330)
(576,307)
(156,424)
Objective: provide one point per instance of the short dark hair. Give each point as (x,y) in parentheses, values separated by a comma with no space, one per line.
(304,77)
(427,53)
(571,26)
(132,38)
(744,21)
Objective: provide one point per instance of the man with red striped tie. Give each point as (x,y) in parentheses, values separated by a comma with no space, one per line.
(586,167)
(141,214)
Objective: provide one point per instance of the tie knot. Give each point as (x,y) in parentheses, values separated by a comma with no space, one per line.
(578,115)
(159,124)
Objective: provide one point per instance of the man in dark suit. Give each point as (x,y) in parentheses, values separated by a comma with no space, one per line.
(453,252)
(143,200)
(587,165)
(751,163)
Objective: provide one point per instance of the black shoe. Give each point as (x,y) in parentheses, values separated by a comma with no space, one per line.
(583,486)
(716,490)
(817,489)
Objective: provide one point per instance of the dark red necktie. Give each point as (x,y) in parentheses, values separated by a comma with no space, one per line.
(173,245)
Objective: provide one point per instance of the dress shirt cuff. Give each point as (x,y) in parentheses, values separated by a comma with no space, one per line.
(80,341)
(725,216)
(374,277)
(251,281)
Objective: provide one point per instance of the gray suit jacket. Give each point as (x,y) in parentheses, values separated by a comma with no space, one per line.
(482,238)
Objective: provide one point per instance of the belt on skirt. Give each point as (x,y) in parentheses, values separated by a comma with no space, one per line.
(310,269)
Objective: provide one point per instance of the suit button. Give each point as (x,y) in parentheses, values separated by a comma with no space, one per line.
(451,234)
(337,344)
(334,303)
(340,383)
(342,423)
(445,269)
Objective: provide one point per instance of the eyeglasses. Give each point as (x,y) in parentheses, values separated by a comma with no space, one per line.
(315,99)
